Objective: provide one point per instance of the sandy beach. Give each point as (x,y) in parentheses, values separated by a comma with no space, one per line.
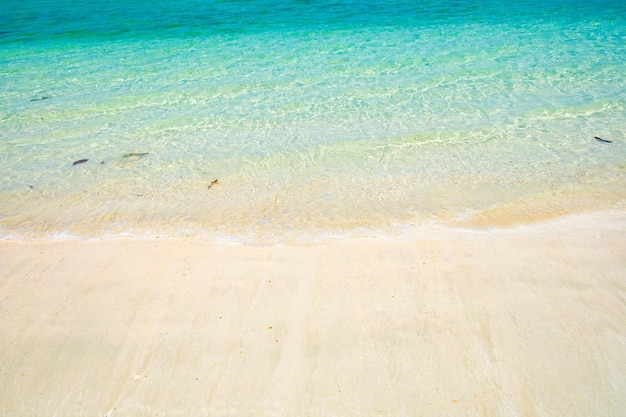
(528,320)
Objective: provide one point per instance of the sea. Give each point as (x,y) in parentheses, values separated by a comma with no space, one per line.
(299,121)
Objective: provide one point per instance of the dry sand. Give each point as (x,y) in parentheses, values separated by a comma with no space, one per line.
(525,321)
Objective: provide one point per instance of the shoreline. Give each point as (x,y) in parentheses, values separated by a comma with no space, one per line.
(509,216)
(527,320)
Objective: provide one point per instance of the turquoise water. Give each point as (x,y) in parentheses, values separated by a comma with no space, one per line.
(318,118)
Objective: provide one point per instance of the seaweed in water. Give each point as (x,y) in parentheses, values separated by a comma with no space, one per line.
(135,155)
(602,140)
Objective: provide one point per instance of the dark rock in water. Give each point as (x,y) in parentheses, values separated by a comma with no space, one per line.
(602,140)
(80,161)
(135,155)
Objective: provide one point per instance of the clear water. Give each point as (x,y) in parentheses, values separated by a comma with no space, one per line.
(318,118)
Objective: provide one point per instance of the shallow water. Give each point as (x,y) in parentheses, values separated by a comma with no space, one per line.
(319,119)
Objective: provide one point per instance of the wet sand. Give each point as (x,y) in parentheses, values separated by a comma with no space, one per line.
(520,321)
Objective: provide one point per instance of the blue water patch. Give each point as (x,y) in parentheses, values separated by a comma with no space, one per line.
(318,118)
(81,20)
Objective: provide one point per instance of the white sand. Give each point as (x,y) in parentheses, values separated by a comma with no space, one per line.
(528,321)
